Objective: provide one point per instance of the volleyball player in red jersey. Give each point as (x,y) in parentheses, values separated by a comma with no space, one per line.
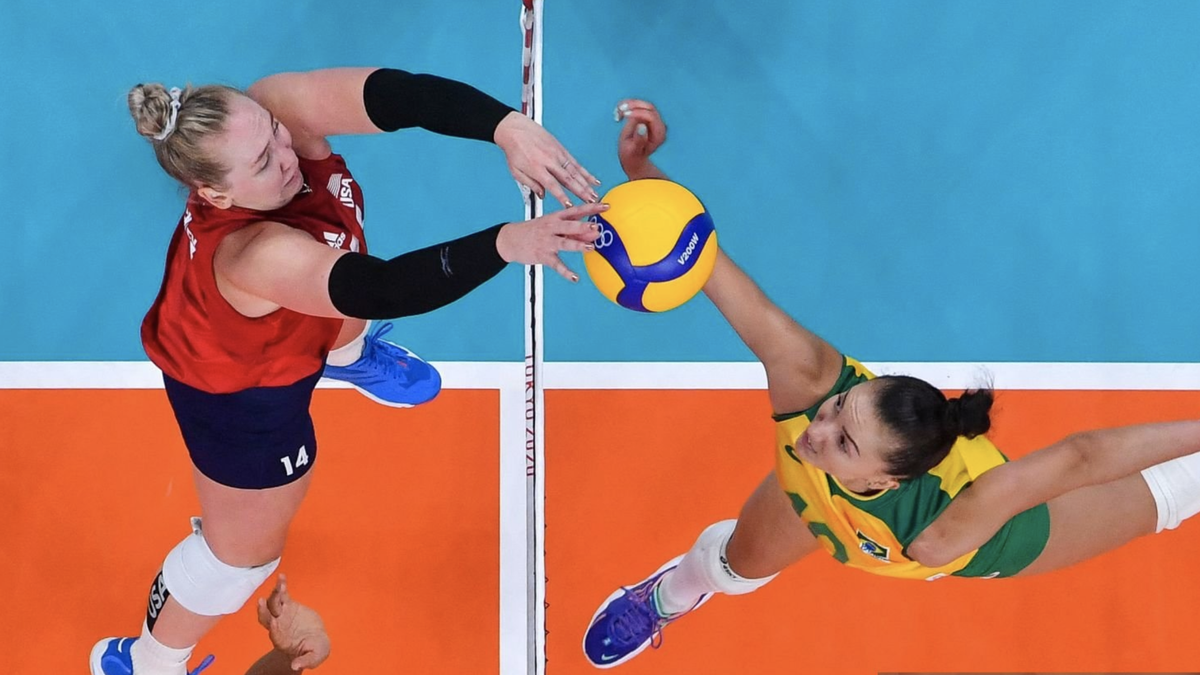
(268,276)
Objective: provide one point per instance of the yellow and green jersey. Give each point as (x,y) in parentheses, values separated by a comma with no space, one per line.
(871,532)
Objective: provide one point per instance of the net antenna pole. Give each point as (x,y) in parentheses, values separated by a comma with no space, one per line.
(531,106)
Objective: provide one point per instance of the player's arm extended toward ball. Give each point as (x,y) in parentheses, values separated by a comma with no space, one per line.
(1079,460)
(801,367)
(269,265)
(335,101)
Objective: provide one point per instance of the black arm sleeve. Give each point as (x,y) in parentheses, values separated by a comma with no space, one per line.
(366,287)
(396,99)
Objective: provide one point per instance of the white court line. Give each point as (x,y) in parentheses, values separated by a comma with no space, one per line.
(514,590)
(683,375)
(145,375)
(1003,375)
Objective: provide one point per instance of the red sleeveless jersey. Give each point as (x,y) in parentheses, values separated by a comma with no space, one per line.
(197,338)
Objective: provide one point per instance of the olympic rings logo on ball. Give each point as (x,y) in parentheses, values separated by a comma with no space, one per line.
(606,234)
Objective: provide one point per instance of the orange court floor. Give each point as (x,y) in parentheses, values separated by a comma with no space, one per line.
(634,476)
(398,542)
(396,545)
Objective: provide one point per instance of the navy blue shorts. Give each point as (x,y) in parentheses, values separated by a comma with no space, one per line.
(253,439)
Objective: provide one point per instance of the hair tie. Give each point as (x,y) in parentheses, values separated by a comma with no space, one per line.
(175,103)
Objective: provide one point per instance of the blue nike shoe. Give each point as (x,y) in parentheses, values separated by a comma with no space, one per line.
(111,656)
(388,373)
(629,621)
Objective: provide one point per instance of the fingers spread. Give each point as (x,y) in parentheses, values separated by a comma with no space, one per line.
(582,211)
(575,182)
(264,615)
(276,603)
(559,194)
(586,176)
(592,180)
(570,244)
(524,179)
(557,264)
(577,229)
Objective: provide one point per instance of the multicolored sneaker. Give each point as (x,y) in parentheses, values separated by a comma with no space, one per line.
(111,656)
(629,621)
(388,373)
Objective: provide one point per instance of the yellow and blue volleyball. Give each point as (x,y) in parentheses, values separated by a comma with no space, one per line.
(657,246)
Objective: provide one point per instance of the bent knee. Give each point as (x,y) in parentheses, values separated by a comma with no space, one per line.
(205,584)
(243,547)
(246,554)
(758,549)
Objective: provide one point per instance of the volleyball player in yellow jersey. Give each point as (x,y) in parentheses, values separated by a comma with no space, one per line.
(866,522)
(889,476)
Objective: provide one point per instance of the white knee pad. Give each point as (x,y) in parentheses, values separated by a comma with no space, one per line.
(204,585)
(1176,489)
(711,549)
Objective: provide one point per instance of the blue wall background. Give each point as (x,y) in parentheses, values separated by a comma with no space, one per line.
(914,180)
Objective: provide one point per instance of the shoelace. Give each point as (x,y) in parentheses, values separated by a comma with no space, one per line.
(386,362)
(631,626)
(203,664)
(379,331)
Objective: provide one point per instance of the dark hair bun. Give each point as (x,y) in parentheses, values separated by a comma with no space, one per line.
(970,414)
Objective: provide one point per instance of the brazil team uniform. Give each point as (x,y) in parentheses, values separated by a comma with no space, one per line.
(872,532)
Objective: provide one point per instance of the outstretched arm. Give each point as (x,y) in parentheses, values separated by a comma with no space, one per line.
(1080,460)
(801,367)
(268,265)
(334,101)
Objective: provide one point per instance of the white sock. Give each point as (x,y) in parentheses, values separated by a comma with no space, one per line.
(151,657)
(704,570)
(349,352)
(1176,489)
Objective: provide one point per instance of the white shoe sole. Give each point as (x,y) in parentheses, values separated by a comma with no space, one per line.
(616,594)
(380,401)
